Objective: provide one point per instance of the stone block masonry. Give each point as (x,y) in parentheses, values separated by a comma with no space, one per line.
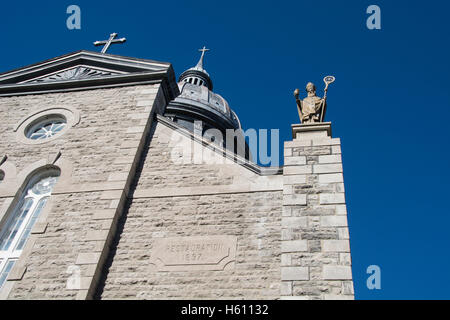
(102,150)
(315,248)
(178,200)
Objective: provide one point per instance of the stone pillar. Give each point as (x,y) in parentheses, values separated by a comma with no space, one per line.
(315,259)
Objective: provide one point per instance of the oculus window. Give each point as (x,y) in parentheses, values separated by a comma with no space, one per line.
(46,124)
(46,127)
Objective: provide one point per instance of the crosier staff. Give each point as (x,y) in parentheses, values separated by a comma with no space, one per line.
(328,80)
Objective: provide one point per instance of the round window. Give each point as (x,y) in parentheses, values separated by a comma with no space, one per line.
(46,127)
(46,124)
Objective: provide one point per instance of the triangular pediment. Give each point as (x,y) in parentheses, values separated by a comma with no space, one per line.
(84,69)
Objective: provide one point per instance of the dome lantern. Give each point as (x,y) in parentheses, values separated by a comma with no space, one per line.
(197,75)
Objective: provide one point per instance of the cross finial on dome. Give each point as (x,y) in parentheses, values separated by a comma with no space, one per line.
(197,75)
(200,62)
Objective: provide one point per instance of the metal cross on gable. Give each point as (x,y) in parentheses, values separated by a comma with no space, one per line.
(109,42)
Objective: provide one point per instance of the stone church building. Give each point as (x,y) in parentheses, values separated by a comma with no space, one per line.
(112,188)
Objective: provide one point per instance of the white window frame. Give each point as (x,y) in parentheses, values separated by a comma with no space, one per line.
(12,253)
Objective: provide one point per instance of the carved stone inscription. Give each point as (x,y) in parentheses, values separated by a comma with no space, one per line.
(194,253)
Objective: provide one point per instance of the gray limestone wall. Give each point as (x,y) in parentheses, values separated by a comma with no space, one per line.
(253,218)
(161,171)
(206,200)
(97,157)
(316,261)
(104,117)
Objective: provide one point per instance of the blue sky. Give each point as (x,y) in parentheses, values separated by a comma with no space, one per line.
(389,104)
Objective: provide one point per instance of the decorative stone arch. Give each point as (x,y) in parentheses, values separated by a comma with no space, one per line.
(65,166)
(71,115)
(16,184)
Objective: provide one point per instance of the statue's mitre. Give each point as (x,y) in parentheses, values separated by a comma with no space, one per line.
(310,84)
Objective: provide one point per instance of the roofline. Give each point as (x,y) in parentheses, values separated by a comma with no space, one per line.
(87,52)
(134,71)
(262,171)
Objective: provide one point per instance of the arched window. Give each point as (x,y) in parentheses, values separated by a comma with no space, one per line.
(18,224)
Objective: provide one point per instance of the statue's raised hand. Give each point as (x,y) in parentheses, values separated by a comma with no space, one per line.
(296,93)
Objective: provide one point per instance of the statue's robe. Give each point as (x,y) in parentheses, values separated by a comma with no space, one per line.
(311,109)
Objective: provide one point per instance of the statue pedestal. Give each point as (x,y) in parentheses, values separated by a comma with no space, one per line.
(311,131)
(314,217)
